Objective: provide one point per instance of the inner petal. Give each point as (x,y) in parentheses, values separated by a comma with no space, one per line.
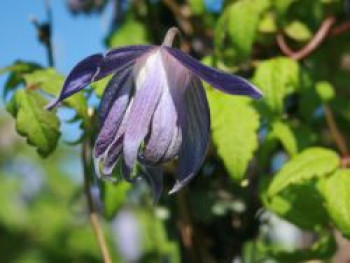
(150,80)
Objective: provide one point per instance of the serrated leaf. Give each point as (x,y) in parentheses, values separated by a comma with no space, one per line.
(335,190)
(234,130)
(285,135)
(300,204)
(298,31)
(277,78)
(242,18)
(131,32)
(16,70)
(51,82)
(309,164)
(40,127)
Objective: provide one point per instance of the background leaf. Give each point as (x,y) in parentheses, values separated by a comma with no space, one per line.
(242,18)
(337,199)
(309,164)
(277,78)
(286,136)
(234,131)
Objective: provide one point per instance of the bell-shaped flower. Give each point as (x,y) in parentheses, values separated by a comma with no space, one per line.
(154,109)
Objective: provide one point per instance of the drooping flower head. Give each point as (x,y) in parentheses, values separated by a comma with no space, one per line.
(154,109)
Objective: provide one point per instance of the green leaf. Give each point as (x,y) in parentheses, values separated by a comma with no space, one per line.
(268,24)
(298,31)
(300,204)
(325,91)
(309,164)
(335,190)
(197,6)
(324,248)
(277,78)
(242,18)
(131,32)
(51,82)
(286,136)
(100,85)
(16,70)
(234,130)
(114,195)
(39,126)
(20,67)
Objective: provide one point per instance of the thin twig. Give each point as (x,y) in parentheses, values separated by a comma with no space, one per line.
(93,215)
(48,44)
(318,38)
(341,29)
(337,135)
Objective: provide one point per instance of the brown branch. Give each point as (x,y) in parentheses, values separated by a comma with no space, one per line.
(336,134)
(93,215)
(341,29)
(318,38)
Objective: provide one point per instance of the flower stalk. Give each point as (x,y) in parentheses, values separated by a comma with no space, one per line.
(93,215)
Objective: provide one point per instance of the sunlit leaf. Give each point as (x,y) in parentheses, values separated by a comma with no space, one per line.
(50,81)
(298,31)
(309,164)
(234,131)
(242,20)
(40,127)
(277,78)
(337,199)
(286,136)
(131,32)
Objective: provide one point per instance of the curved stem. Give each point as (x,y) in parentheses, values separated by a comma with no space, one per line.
(309,47)
(93,215)
(337,135)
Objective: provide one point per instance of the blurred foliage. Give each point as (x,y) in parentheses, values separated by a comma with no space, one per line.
(277,157)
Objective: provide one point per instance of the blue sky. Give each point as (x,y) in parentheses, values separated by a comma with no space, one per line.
(74,37)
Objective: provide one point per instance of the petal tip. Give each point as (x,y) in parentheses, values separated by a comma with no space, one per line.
(52,104)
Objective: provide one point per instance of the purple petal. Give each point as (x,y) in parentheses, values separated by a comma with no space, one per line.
(121,57)
(154,176)
(175,144)
(96,67)
(114,116)
(81,75)
(179,79)
(225,82)
(162,129)
(196,141)
(113,91)
(111,155)
(150,80)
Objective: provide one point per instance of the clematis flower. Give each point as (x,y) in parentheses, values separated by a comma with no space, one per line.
(153,110)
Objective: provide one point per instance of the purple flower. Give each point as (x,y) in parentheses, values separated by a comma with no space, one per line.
(153,110)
